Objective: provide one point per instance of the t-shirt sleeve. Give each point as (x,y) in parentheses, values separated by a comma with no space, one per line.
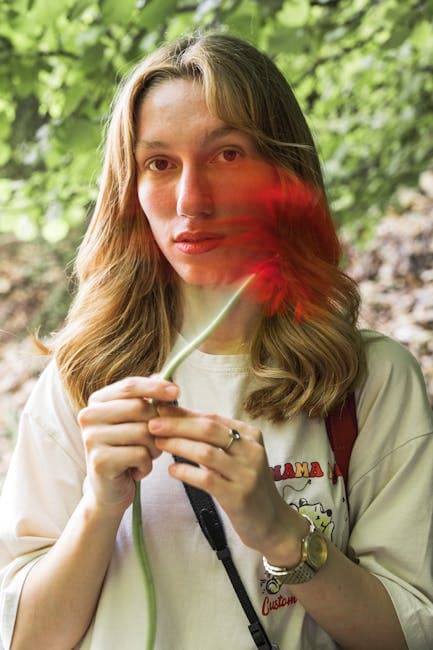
(390,486)
(42,489)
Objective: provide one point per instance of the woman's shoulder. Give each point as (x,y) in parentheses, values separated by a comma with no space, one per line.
(385,346)
(49,393)
(392,402)
(390,363)
(50,415)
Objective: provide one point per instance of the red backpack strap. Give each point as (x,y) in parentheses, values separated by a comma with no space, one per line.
(342,429)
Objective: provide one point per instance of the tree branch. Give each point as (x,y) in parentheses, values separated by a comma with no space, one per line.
(335,57)
(324,3)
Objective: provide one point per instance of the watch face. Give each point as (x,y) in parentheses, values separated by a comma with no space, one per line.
(317,551)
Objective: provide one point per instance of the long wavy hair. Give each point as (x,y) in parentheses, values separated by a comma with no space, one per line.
(128,309)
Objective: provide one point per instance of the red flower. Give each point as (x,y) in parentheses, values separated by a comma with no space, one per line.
(293,250)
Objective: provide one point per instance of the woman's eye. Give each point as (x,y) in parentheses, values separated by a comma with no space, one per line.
(229,155)
(159,165)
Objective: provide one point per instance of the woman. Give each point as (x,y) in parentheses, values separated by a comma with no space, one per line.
(204,137)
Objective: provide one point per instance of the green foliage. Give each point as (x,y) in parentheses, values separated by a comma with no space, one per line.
(362,72)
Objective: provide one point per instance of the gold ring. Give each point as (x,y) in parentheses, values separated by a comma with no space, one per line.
(233,435)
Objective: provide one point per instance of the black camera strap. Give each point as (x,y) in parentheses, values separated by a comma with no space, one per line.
(342,431)
(213,529)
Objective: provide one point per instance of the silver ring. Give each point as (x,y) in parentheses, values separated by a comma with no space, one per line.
(233,435)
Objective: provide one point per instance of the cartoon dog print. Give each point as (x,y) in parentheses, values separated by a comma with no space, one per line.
(320,517)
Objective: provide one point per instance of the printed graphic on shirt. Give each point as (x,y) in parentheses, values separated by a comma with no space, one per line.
(320,517)
(273,599)
(298,477)
(271,604)
(303,469)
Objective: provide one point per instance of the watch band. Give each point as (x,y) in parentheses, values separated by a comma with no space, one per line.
(303,572)
(299,574)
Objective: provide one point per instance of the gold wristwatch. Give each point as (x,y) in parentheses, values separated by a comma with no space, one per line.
(314,553)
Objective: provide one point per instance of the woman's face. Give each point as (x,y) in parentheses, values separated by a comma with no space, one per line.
(197,179)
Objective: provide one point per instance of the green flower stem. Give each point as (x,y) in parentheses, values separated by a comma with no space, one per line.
(169,369)
(140,549)
(137,524)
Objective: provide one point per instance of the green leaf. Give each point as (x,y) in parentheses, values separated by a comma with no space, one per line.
(92,57)
(398,35)
(286,39)
(422,36)
(178,25)
(5,153)
(5,190)
(294,13)
(79,135)
(73,96)
(80,7)
(45,12)
(243,20)
(118,11)
(156,13)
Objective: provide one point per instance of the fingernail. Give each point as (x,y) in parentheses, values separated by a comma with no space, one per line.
(154,426)
(170,391)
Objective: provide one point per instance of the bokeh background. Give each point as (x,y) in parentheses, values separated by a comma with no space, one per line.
(362,71)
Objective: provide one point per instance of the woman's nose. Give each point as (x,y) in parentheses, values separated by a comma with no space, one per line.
(194,194)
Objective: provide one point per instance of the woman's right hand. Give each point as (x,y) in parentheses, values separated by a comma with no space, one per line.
(119,448)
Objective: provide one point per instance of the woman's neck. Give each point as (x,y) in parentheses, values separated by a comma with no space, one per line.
(234,334)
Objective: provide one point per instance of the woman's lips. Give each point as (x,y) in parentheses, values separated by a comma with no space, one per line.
(197,244)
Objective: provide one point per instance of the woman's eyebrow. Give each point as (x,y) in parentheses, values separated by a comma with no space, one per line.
(219,132)
(151,144)
(213,135)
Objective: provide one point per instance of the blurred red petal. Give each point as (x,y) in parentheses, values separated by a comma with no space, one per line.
(293,249)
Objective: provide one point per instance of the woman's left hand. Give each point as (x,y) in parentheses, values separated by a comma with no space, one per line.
(237,476)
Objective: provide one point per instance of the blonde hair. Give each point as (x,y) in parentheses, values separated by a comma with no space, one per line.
(127,310)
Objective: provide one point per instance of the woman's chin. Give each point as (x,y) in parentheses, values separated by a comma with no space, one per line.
(211,280)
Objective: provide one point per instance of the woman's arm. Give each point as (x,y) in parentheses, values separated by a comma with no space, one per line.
(347,601)
(61,591)
(351,605)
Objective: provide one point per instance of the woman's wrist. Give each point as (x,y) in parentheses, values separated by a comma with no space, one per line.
(101,513)
(283,544)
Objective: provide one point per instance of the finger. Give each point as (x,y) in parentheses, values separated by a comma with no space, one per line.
(247,432)
(197,427)
(117,435)
(163,409)
(168,411)
(116,411)
(233,436)
(153,387)
(209,428)
(214,483)
(111,462)
(201,453)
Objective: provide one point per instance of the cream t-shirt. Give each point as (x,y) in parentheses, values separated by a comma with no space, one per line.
(389,528)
